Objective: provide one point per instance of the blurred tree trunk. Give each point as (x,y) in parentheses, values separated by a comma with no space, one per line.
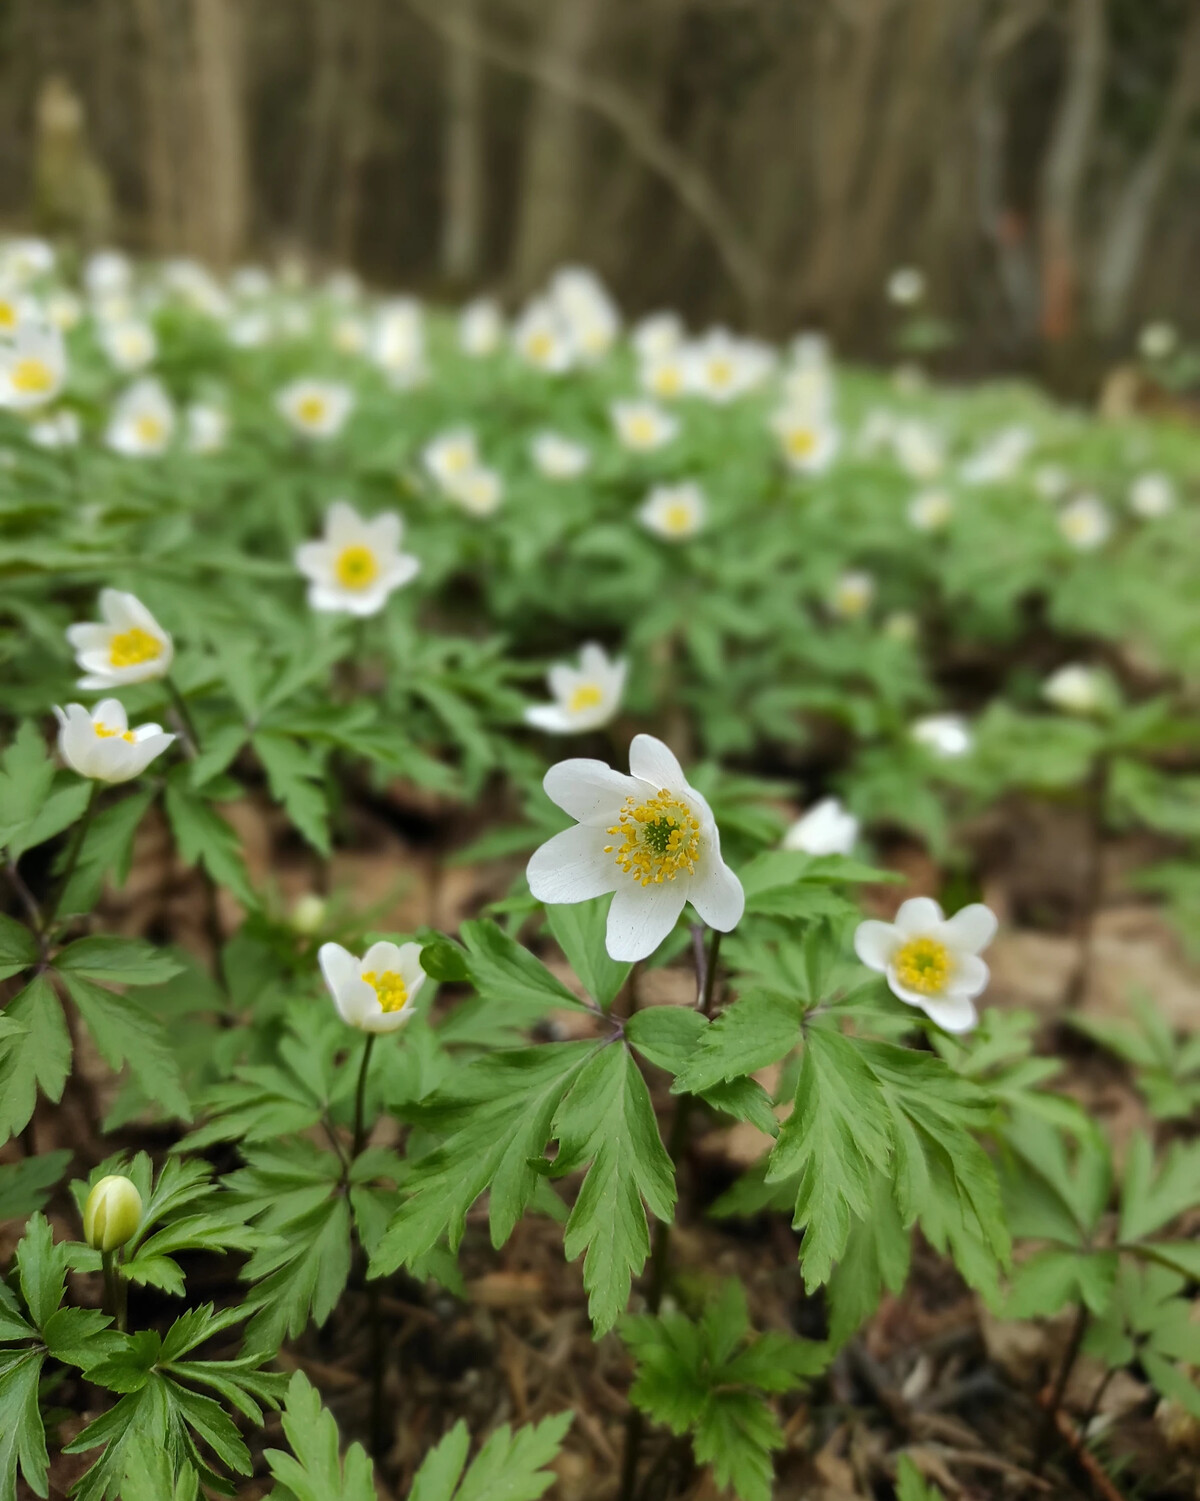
(463,180)
(359,129)
(327,89)
(158,91)
(219,167)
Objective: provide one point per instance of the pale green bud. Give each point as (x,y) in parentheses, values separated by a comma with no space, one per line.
(112,1213)
(308,913)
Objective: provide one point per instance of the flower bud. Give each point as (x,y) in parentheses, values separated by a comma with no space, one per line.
(308,913)
(112,1213)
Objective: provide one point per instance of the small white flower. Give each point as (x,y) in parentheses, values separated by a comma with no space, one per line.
(315,408)
(479,491)
(999,458)
(1151,495)
(826,829)
(374,993)
(481,328)
(946,735)
(658,335)
(641,426)
(100,744)
(905,286)
(398,341)
(33,368)
(649,838)
(930,511)
(107,272)
(919,450)
(249,330)
(541,339)
(194,285)
(809,442)
(349,334)
(557,457)
(852,594)
(24,260)
(932,962)
(901,625)
(207,427)
(1085,523)
(588,313)
(722,368)
(127,646)
(665,375)
(357,564)
(17,308)
(143,420)
(1051,481)
(451,456)
(1075,688)
(59,429)
(250,283)
(585,697)
(674,512)
(808,393)
(1158,340)
(308,913)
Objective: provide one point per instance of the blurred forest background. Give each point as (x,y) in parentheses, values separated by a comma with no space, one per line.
(764,162)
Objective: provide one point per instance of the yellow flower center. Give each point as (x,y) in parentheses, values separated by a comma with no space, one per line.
(677,518)
(586,696)
(149,429)
(923,965)
(310,410)
(540,346)
(659,838)
(458,458)
(800,442)
(390,988)
(103,731)
(32,376)
(8,315)
(132,647)
(641,430)
(356,567)
(668,380)
(720,372)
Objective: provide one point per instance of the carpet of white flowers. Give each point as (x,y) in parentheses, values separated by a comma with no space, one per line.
(686,681)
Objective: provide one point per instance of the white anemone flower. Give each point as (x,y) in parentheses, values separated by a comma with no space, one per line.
(479,491)
(999,458)
(665,376)
(207,427)
(398,342)
(129,346)
(658,335)
(648,837)
(357,563)
(930,511)
(556,457)
(315,408)
(143,420)
(641,426)
(1151,495)
(99,744)
(932,962)
(905,286)
(1085,523)
(944,735)
(808,393)
(807,439)
(481,328)
(25,259)
(541,339)
(250,283)
(375,993)
(17,308)
(585,697)
(587,311)
(33,368)
(1158,340)
(127,645)
(107,272)
(1076,689)
(721,367)
(826,829)
(61,429)
(852,594)
(450,456)
(64,310)
(674,512)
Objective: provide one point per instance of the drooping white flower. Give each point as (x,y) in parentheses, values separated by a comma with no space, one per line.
(905,286)
(930,511)
(143,420)
(450,456)
(479,491)
(1158,340)
(585,697)
(648,837)
(557,457)
(315,408)
(641,426)
(852,594)
(127,645)
(398,341)
(357,563)
(481,328)
(1151,495)
(674,512)
(826,829)
(59,429)
(1085,523)
(375,993)
(100,744)
(588,313)
(1076,688)
(919,449)
(932,962)
(658,335)
(945,735)
(809,442)
(541,339)
(207,427)
(33,368)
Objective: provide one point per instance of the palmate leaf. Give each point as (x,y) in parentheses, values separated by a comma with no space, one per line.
(36,1057)
(296,778)
(205,838)
(18,947)
(313,1471)
(511,1466)
(25,1186)
(579,930)
(126,1033)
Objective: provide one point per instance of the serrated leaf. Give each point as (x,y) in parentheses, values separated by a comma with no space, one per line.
(18,947)
(758,1029)
(205,838)
(508,975)
(25,1186)
(313,1472)
(124,1032)
(295,776)
(579,930)
(110,960)
(38,1057)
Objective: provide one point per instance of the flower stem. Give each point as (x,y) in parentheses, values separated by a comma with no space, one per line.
(707,976)
(114,1291)
(191,740)
(1054,1401)
(360,1134)
(74,850)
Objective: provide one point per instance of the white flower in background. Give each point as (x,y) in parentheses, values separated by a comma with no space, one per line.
(100,744)
(1051,481)
(61,429)
(878,431)
(585,697)
(932,962)
(126,646)
(808,390)
(1085,523)
(451,456)
(919,450)
(945,735)
(1151,495)
(641,426)
(541,339)
(342,287)
(1158,340)
(357,563)
(294,320)
(902,626)
(207,427)
(905,286)
(63,310)
(931,510)
(658,335)
(808,441)
(665,375)
(349,334)
(674,512)
(129,346)
(479,491)
(196,287)
(1076,689)
(249,330)
(315,408)
(107,272)
(587,311)
(250,283)
(999,458)
(826,829)
(143,420)
(398,341)
(557,457)
(481,328)
(721,368)
(24,260)
(33,368)
(852,594)
(374,993)
(17,308)
(649,838)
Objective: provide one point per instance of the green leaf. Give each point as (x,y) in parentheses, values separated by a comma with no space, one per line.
(124,1032)
(22,1434)
(579,930)
(18,947)
(39,1057)
(205,838)
(26,773)
(117,961)
(909,1483)
(107,847)
(508,975)
(1151,1197)
(511,1466)
(296,778)
(25,1186)
(666,1035)
(42,1267)
(877,1256)
(758,1029)
(313,1472)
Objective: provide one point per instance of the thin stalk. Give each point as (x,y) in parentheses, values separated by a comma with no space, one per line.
(1045,1443)
(114,1291)
(74,850)
(374,1313)
(191,741)
(1093,884)
(708,977)
(360,1093)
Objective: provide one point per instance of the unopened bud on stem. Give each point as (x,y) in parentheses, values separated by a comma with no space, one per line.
(112,1213)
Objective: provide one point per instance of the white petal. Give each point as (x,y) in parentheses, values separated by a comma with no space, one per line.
(952,1013)
(651,761)
(89,637)
(315,560)
(552,718)
(969,978)
(573,867)
(385,531)
(359,1005)
(338,966)
(385,1021)
(971,929)
(562,681)
(919,915)
(402,571)
(110,712)
(716,893)
(409,966)
(875,943)
(589,791)
(343,524)
(381,957)
(642,916)
(146,749)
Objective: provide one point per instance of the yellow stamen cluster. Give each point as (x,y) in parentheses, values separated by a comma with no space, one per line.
(659,838)
(678,518)
(149,429)
(106,734)
(539,346)
(641,431)
(585,696)
(800,442)
(356,567)
(923,965)
(132,647)
(8,315)
(390,988)
(668,380)
(311,410)
(720,372)
(32,377)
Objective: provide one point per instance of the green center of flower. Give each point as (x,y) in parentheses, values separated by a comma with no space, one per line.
(659,838)
(923,965)
(390,988)
(133,647)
